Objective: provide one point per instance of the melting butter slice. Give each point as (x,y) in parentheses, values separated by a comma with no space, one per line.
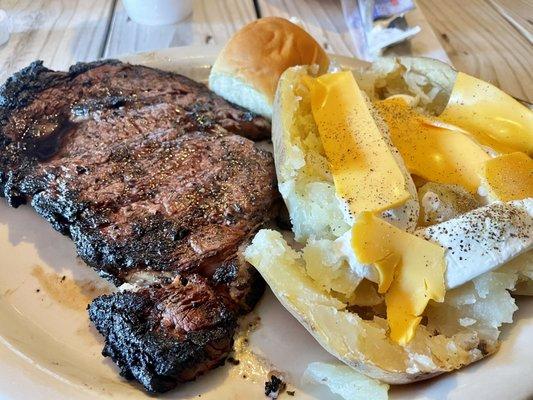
(439,154)
(411,271)
(510,176)
(493,117)
(365,173)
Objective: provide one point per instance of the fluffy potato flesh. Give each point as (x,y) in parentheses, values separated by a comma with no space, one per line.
(458,332)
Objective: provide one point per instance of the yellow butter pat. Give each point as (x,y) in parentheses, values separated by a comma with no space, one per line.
(365,172)
(411,271)
(494,118)
(431,150)
(510,176)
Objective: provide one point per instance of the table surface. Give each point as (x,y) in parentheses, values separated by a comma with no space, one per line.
(491,39)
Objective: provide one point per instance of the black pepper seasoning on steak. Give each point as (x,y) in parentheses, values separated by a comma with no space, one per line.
(157,182)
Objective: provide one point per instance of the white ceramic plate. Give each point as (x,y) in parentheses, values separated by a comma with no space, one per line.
(48,349)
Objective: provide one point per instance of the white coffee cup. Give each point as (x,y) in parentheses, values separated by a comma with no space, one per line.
(158,12)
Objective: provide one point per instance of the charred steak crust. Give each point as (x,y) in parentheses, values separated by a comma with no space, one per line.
(155,180)
(20,89)
(163,335)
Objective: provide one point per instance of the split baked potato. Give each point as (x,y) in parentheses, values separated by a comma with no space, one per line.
(314,283)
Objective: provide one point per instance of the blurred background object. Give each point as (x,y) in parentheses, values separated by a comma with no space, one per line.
(4,27)
(375,25)
(158,12)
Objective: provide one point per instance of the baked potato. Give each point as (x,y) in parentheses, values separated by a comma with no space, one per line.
(347,315)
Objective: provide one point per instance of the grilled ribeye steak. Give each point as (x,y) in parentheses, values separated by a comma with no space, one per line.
(157,182)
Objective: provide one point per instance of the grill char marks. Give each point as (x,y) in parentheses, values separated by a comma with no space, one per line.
(155,180)
(148,184)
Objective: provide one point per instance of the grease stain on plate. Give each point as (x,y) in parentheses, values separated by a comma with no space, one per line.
(249,364)
(73,294)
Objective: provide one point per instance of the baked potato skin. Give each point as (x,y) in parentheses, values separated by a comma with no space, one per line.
(279,139)
(284,107)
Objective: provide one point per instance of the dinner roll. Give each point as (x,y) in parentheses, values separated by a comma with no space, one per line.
(248,68)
